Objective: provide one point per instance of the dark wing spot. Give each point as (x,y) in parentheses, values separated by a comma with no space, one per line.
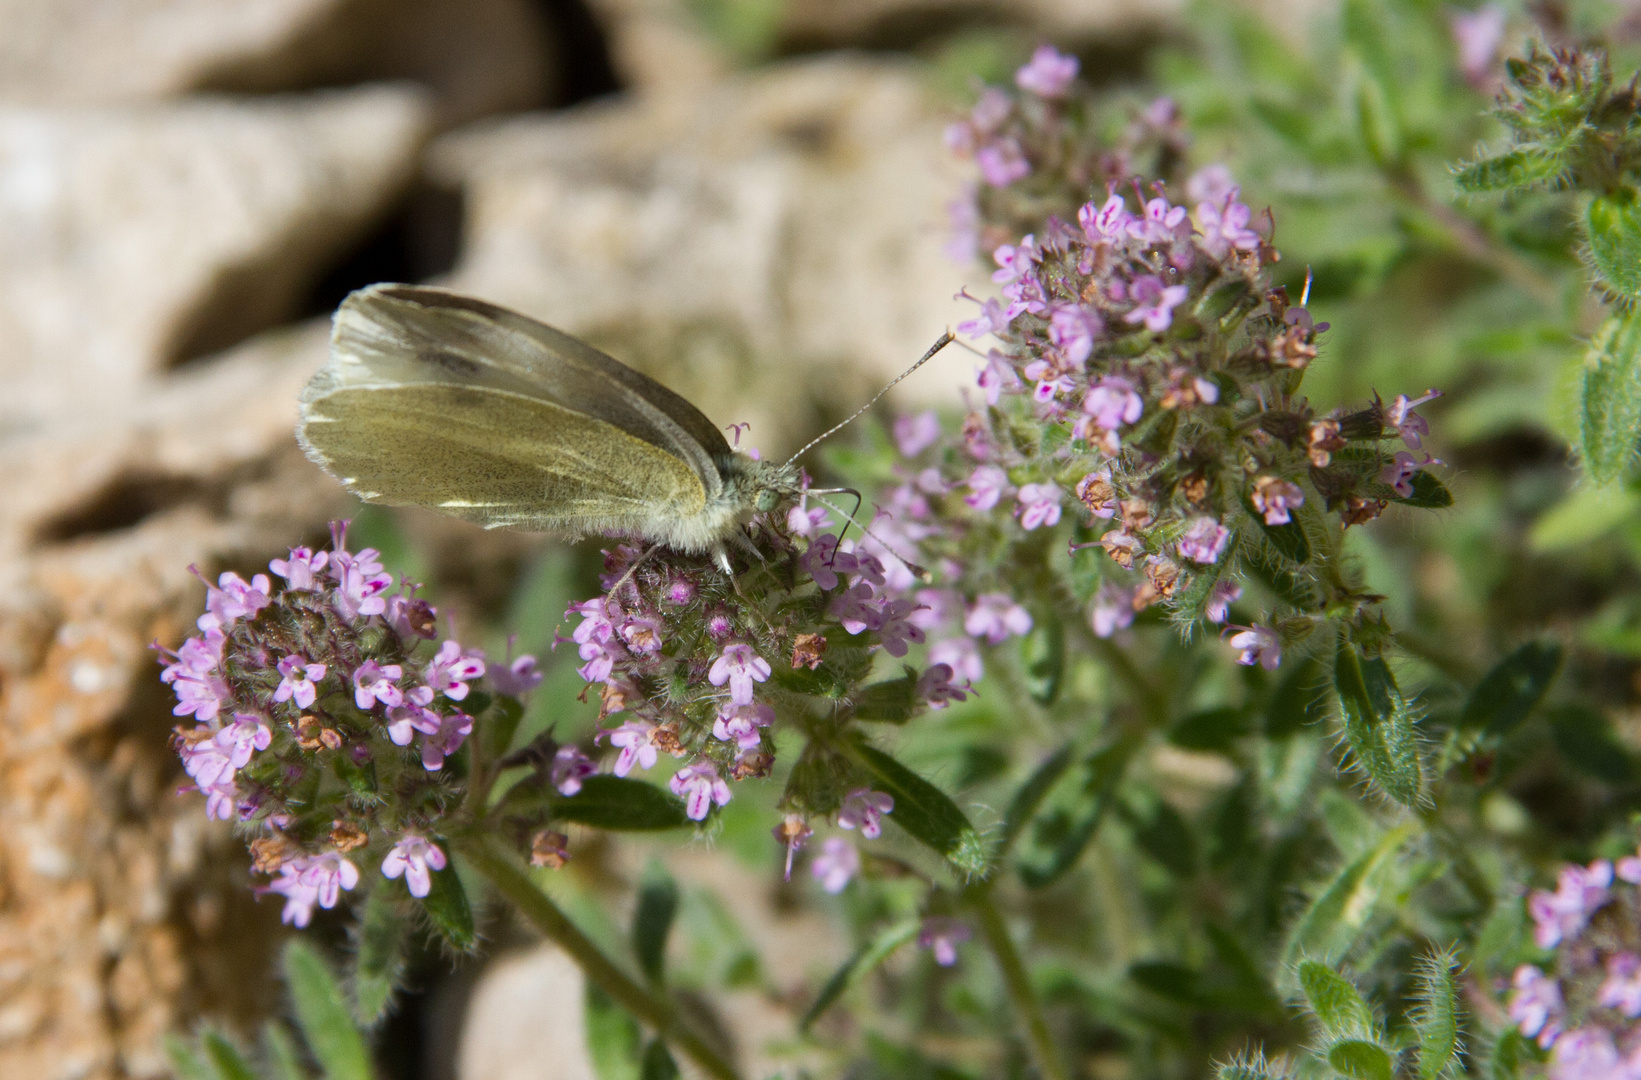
(449,361)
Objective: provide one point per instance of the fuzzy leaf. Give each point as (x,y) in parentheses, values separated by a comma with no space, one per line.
(1610,399)
(1613,228)
(224,1057)
(1360,1059)
(1029,796)
(923,810)
(1342,908)
(1057,849)
(613,1038)
(280,1052)
(1524,168)
(446,905)
(1436,1016)
(1288,539)
(1335,1001)
(658,1063)
(652,920)
(621,805)
(1378,725)
(1299,699)
(1211,729)
(1429,493)
(322,1012)
(853,969)
(378,957)
(184,1061)
(892,701)
(1252,1068)
(1508,1053)
(1512,689)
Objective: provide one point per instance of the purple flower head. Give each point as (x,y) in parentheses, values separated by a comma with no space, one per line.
(636,738)
(516,678)
(857,608)
(1408,424)
(1002,162)
(1154,302)
(743,724)
(1478,35)
(1562,915)
(411,617)
(1107,222)
(1274,498)
(1258,645)
(1014,261)
(990,110)
(413,715)
(642,634)
(1072,329)
(741,668)
(312,880)
(915,434)
(232,597)
(1204,541)
(837,863)
(1211,184)
(1113,609)
(935,686)
(220,801)
(864,808)
(415,858)
(960,654)
(1588,1053)
(600,659)
(373,682)
(820,561)
(570,768)
(1039,505)
(995,616)
(201,696)
(360,583)
(1401,470)
(1622,990)
(987,484)
(301,571)
(943,936)
(438,745)
(993,319)
(1628,869)
(699,785)
(1113,402)
(1225,227)
(1049,74)
(595,622)
(896,627)
(1160,223)
(239,740)
(1535,1004)
(1220,598)
(451,670)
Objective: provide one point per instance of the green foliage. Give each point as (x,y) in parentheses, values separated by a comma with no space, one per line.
(1511,690)
(652,921)
(1335,1002)
(621,805)
(322,1012)
(869,956)
(1436,1012)
(378,957)
(1613,226)
(447,908)
(1378,724)
(924,810)
(1610,399)
(613,1039)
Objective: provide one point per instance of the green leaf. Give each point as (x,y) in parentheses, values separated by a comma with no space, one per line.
(1292,124)
(857,966)
(893,701)
(1044,654)
(1378,724)
(923,810)
(1429,493)
(1509,1051)
(1436,1012)
(1029,796)
(322,1012)
(1587,513)
(225,1058)
(1342,908)
(280,1052)
(621,805)
(1613,228)
(1610,399)
(378,957)
(1250,1067)
(1059,839)
(1253,989)
(1509,692)
(1300,698)
(658,1063)
(446,904)
(652,920)
(1168,980)
(1211,729)
(1288,539)
(1360,1059)
(613,1038)
(184,1060)
(1585,738)
(1517,169)
(1335,1002)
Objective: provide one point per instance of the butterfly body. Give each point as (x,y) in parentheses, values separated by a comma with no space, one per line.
(435,399)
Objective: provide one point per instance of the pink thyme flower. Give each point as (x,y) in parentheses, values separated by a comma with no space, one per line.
(742,724)
(993,319)
(201,696)
(821,562)
(943,936)
(413,715)
(1225,226)
(1588,1053)
(314,879)
(1561,915)
(1113,402)
(1014,261)
(410,616)
(1258,645)
(1535,1004)
(1211,184)
(301,571)
(600,659)
(232,597)
(837,863)
(239,740)
(1049,74)
(595,622)
(915,434)
(451,670)
(1224,593)
(1160,223)
(570,768)
(636,738)
(864,808)
(962,655)
(1622,990)
(987,484)
(896,627)
(995,616)
(300,896)
(699,785)
(1113,609)
(415,858)
(1072,329)
(1478,35)
(1106,222)
(1628,869)
(1275,498)
(1154,301)
(297,679)
(220,800)
(1408,424)
(360,583)
(1039,505)
(804,521)
(1002,162)
(1204,541)
(741,668)
(373,682)
(1399,473)
(936,687)
(642,634)
(516,678)
(439,745)
(857,608)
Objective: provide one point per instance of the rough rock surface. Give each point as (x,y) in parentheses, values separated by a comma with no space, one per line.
(136,237)
(770,245)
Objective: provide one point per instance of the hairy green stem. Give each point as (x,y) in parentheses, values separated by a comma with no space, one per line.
(539,909)
(1018,984)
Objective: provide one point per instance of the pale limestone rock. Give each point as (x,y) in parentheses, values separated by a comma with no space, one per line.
(842,23)
(139,236)
(768,248)
(525,1020)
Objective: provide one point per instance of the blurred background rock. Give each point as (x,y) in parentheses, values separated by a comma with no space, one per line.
(743,197)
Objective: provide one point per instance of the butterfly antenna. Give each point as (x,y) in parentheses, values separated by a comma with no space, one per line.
(849,518)
(945,340)
(922,574)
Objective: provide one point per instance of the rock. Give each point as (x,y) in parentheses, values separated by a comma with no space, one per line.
(526,1020)
(813,24)
(123,913)
(476,57)
(771,248)
(141,236)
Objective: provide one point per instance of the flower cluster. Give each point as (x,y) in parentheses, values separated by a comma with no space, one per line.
(324,725)
(1588,1012)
